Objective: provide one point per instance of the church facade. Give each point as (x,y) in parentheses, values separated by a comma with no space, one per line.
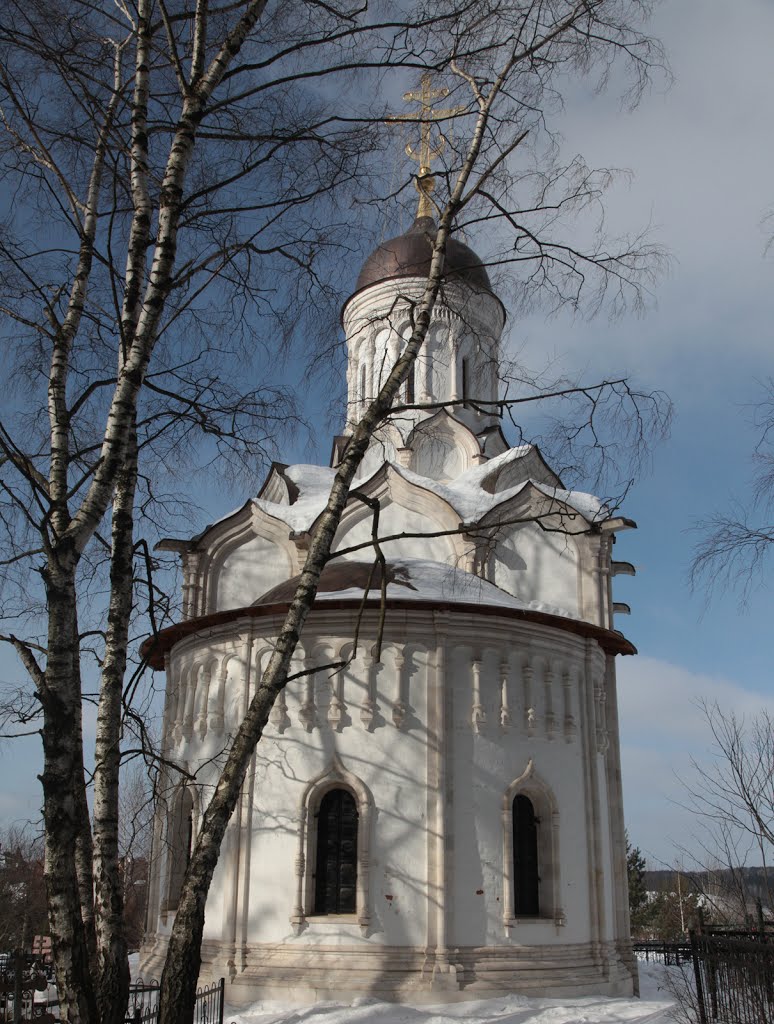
(435,810)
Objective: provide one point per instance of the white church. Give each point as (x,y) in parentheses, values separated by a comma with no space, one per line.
(440,817)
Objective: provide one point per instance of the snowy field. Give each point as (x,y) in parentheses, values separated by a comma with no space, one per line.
(653,1008)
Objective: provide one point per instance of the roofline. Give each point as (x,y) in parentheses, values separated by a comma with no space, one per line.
(154,649)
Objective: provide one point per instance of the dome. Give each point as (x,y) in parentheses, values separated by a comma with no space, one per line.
(406,578)
(409,255)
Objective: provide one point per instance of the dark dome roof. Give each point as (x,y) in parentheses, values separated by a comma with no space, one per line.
(409,255)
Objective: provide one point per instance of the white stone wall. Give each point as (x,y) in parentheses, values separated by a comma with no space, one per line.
(462,712)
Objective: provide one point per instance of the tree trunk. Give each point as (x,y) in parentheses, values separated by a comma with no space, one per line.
(113,984)
(84,851)
(62,813)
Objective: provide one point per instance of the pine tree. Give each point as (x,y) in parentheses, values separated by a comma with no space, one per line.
(639,908)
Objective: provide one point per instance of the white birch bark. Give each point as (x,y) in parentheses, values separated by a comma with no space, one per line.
(60,696)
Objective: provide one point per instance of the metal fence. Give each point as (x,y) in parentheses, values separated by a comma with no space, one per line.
(143,1005)
(669,953)
(734,974)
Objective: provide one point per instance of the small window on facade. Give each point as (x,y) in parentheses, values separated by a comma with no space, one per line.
(363,383)
(336,867)
(465,380)
(526,901)
(180,839)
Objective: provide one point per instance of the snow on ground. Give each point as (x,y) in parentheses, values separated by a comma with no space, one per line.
(652,1008)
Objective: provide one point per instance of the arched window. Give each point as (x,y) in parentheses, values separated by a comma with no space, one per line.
(526,879)
(180,840)
(531,852)
(335,890)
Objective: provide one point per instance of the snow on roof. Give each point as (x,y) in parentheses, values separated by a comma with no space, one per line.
(466,494)
(314,485)
(419,579)
(468,497)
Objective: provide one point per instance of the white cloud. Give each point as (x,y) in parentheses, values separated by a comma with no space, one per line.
(662,730)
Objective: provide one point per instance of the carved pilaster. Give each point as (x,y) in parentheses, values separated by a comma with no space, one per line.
(368,708)
(178,709)
(600,712)
(217,720)
(364,868)
(505,712)
(530,718)
(191,584)
(190,697)
(307,713)
(477,713)
(298,917)
(399,708)
(170,708)
(336,709)
(278,716)
(570,728)
(203,700)
(548,689)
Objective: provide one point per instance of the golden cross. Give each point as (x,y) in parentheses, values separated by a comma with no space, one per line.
(427,151)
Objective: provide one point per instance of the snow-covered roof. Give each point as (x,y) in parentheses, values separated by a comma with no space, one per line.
(473,501)
(409,579)
(468,495)
(313,484)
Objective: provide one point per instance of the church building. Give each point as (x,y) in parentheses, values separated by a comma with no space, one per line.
(435,811)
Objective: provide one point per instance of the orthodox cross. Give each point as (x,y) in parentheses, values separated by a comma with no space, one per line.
(427,150)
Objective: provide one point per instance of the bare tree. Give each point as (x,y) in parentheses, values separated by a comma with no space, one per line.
(170,165)
(22,890)
(732,798)
(736,544)
(136,807)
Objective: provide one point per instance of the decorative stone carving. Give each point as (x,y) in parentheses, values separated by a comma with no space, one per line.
(505,714)
(205,678)
(307,713)
(477,714)
(278,716)
(530,717)
(368,708)
(400,708)
(337,708)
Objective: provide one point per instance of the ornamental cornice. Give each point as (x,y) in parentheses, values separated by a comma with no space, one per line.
(406,619)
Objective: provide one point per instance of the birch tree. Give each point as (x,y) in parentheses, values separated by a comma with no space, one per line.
(731,797)
(114,118)
(170,162)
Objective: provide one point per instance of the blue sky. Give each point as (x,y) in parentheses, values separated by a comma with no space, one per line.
(702,154)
